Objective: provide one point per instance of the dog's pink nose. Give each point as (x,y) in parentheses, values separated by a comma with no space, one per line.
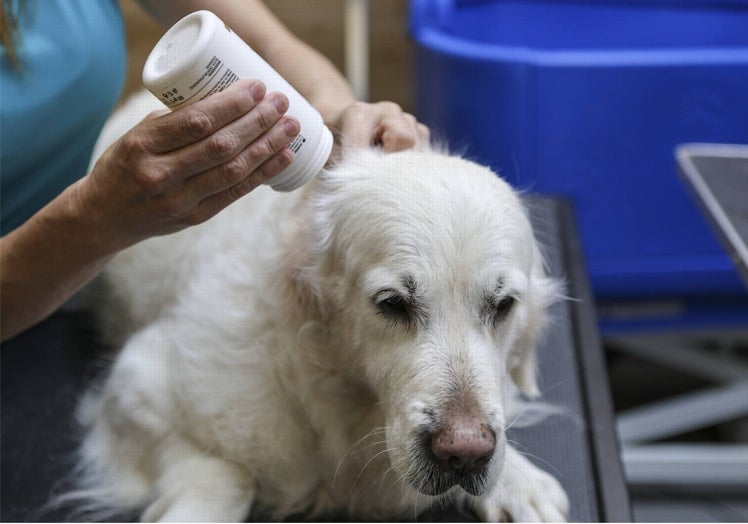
(463,445)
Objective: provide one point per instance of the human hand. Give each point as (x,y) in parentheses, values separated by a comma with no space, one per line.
(382,124)
(173,170)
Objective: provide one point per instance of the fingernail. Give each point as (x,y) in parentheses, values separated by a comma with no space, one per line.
(281,103)
(257,91)
(291,128)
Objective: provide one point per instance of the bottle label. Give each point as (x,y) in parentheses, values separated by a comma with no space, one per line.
(214,78)
(297,143)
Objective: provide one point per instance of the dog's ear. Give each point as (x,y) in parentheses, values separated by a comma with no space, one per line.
(544,291)
(303,287)
(302,280)
(307,246)
(523,367)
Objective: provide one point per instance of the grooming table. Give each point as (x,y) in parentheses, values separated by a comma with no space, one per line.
(45,370)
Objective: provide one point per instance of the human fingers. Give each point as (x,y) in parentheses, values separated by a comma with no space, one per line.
(166,132)
(402,131)
(390,130)
(213,204)
(382,124)
(357,125)
(259,161)
(223,145)
(140,194)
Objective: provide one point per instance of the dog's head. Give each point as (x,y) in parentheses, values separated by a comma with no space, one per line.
(427,268)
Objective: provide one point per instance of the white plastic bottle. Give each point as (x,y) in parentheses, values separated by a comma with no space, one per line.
(200,56)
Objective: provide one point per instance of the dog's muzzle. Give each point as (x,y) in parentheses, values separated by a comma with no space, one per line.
(457,453)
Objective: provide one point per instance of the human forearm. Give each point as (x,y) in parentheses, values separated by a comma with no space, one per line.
(357,124)
(314,76)
(45,261)
(308,70)
(168,172)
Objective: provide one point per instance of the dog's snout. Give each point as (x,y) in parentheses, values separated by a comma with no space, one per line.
(463,446)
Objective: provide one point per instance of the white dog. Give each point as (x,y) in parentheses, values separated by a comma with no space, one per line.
(354,346)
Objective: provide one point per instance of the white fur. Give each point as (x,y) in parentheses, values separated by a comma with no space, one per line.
(257,370)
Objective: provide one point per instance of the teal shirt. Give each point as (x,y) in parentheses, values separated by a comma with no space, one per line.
(73,62)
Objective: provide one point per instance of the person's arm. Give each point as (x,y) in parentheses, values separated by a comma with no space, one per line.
(311,73)
(170,171)
(45,261)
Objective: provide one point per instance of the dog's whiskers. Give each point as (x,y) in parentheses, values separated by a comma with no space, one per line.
(374,432)
(385,499)
(381,478)
(516,444)
(541,409)
(358,477)
(416,506)
(403,479)
(518,469)
(515,420)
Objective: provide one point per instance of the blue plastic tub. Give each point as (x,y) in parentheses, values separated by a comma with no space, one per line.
(588,100)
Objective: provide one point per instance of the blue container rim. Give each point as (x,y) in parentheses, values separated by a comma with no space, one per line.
(458,47)
(425,16)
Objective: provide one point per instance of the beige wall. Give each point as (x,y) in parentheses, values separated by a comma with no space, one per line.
(320,23)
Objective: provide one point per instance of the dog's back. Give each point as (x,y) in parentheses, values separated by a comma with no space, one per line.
(150,279)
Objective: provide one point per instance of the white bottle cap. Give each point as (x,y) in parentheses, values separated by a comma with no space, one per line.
(200,56)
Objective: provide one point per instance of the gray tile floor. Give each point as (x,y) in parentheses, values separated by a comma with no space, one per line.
(635,381)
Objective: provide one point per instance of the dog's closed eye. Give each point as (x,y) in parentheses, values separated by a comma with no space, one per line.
(497,308)
(393,305)
(401,303)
